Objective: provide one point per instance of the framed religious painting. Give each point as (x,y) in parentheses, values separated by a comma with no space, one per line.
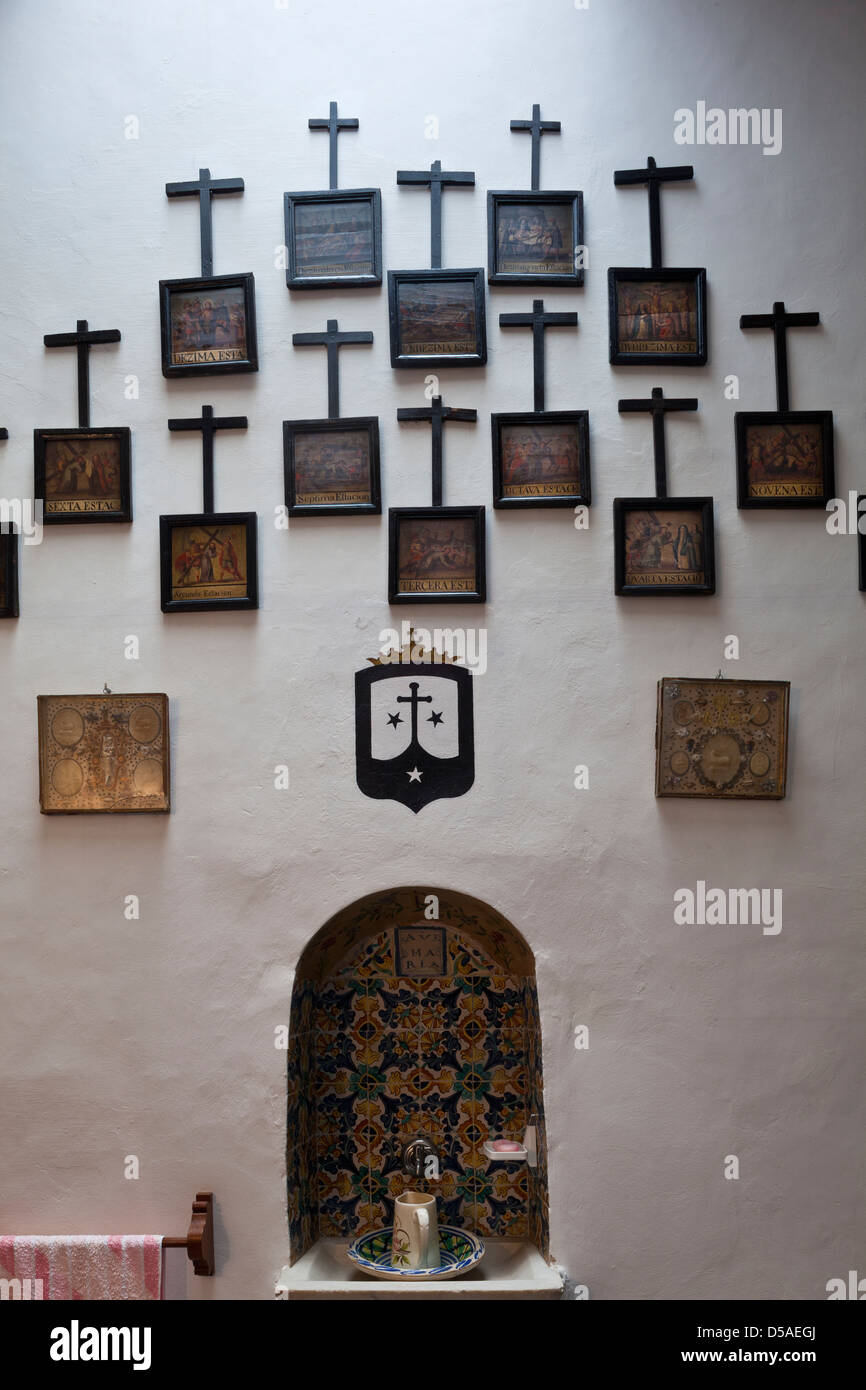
(541,459)
(437,318)
(332,466)
(436,555)
(861,539)
(208,562)
(657,316)
(333,239)
(82,474)
(784,458)
(106,753)
(534,238)
(722,739)
(664,545)
(8,570)
(208,326)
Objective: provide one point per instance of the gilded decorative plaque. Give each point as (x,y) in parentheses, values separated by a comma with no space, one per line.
(721,738)
(103,753)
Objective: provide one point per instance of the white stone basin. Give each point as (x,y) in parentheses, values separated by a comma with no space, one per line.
(510,1269)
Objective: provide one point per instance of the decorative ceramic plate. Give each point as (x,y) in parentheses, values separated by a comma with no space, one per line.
(458,1251)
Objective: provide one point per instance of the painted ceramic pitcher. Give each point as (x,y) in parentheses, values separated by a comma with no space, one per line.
(416,1232)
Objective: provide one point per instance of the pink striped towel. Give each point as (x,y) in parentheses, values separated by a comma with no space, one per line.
(81,1267)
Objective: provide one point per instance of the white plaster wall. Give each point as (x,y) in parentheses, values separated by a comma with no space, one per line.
(154,1037)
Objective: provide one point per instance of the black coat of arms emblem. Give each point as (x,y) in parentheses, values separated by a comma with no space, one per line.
(414,732)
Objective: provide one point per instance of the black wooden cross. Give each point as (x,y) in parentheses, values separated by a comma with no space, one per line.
(333,341)
(436,179)
(83,339)
(436,414)
(654,177)
(538,321)
(658,406)
(208,424)
(205,188)
(333,125)
(536,128)
(780,322)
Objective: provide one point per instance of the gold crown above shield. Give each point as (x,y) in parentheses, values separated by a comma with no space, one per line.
(413,653)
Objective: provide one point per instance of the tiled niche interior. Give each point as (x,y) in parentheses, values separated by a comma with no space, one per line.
(379,1053)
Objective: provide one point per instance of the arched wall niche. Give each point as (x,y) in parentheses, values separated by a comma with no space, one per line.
(414,1011)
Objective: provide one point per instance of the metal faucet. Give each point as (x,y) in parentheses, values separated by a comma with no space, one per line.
(419,1158)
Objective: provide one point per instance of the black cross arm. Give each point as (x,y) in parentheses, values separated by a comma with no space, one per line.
(321,339)
(672,173)
(449,412)
(324,123)
(192,187)
(669,403)
(806,320)
(544,126)
(221,422)
(99,335)
(427,176)
(4,433)
(566,320)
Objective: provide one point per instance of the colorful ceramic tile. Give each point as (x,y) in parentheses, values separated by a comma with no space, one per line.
(467,957)
(374,1059)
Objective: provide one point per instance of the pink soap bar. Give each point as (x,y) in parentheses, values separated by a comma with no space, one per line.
(505,1145)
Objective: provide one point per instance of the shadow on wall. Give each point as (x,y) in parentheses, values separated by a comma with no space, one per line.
(404,1024)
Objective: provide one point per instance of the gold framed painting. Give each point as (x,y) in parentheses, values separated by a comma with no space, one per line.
(784,458)
(107,753)
(436,555)
(83,474)
(722,738)
(208,562)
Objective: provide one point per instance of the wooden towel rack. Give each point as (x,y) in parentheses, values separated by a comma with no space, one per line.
(198,1241)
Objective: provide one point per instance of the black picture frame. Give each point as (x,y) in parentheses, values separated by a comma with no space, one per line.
(209,365)
(89,510)
(623,505)
(9,543)
(296,276)
(620,356)
(398,516)
(579,421)
(167,525)
(746,420)
(499,199)
(861,539)
(369,424)
(400,281)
